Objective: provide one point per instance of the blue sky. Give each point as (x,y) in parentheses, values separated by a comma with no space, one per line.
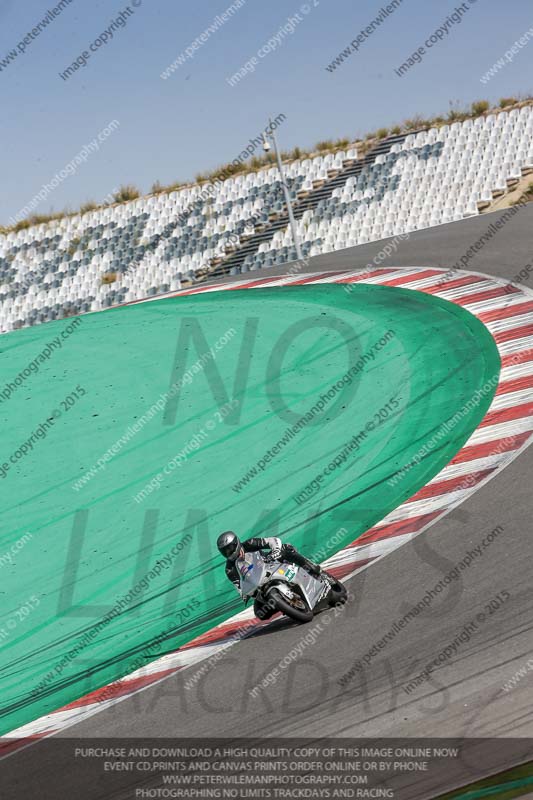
(171,129)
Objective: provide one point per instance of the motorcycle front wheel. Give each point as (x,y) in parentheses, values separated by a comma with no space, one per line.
(298,610)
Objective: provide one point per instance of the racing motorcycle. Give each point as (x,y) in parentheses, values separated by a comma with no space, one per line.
(281,586)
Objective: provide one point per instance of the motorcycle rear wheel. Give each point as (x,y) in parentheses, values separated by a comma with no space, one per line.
(338,594)
(283,604)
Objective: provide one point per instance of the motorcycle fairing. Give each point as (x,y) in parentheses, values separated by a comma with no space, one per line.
(256,571)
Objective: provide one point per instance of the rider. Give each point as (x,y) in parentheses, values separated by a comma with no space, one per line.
(234,551)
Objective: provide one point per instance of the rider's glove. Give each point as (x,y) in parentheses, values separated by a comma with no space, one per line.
(276,546)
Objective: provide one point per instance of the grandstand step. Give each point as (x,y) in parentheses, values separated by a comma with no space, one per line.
(322,190)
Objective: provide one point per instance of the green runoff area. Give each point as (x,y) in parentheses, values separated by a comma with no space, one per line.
(92,510)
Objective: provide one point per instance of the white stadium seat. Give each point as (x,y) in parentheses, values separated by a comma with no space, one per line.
(142,248)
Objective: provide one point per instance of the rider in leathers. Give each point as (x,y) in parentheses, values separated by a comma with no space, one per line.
(234,550)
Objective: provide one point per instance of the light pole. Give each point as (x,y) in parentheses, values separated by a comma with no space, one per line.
(266,148)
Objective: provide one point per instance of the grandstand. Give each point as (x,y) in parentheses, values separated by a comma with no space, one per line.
(162,242)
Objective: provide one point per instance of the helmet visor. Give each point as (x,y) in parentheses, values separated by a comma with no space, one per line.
(231,549)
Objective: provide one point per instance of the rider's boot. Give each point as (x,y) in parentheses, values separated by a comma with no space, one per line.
(313,569)
(316,571)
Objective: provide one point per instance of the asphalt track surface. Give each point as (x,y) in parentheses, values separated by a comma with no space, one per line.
(465,697)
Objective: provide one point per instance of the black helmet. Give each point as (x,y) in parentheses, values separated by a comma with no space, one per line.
(229,545)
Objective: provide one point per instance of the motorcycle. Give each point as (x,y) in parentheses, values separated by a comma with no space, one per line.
(282,586)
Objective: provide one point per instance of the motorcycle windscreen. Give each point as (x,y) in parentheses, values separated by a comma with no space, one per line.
(252,570)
